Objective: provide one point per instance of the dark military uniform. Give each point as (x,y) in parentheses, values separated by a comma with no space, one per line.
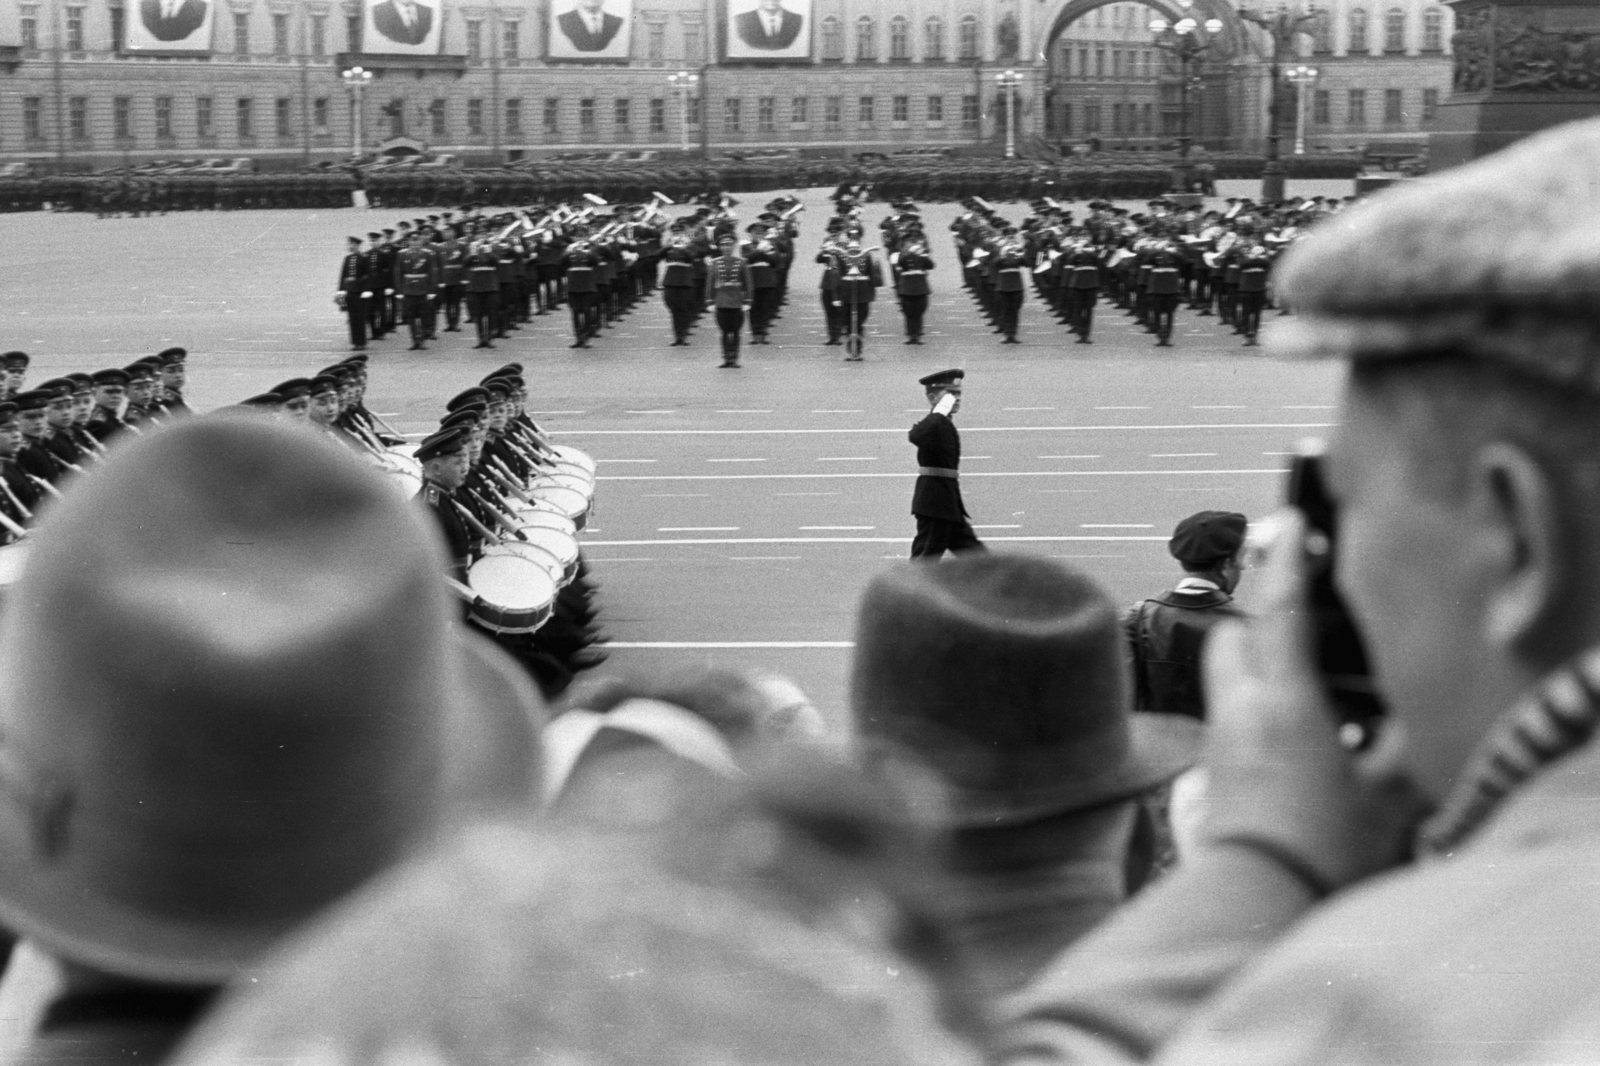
(354,286)
(936,503)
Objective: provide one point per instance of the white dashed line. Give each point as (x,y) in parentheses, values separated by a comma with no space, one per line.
(702,541)
(679,495)
(807,494)
(1027,408)
(698,644)
(662,412)
(735,460)
(625,460)
(764,558)
(1280,453)
(697,529)
(996,527)
(637,559)
(744,411)
(837,529)
(1069,456)
(977,457)
(1183,455)
(1217,407)
(847,459)
(839,411)
(1122,408)
(1118,525)
(558,412)
(1309,407)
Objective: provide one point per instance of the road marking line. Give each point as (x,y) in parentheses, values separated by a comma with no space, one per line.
(965,429)
(660,412)
(1117,525)
(701,541)
(696,644)
(681,495)
(847,458)
(625,460)
(977,457)
(1069,457)
(997,527)
(1183,455)
(838,529)
(837,411)
(622,560)
(558,412)
(387,414)
(1280,453)
(744,410)
(1027,408)
(735,460)
(764,558)
(1122,408)
(1217,407)
(692,529)
(1309,407)
(807,494)
(970,474)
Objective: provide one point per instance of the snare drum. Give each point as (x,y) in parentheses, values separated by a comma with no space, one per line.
(567,481)
(537,554)
(562,500)
(533,516)
(12,558)
(563,547)
(514,594)
(565,469)
(568,454)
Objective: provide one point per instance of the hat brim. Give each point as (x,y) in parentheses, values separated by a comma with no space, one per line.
(1161,747)
(495,721)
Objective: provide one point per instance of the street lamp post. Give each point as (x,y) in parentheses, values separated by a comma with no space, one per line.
(1282,29)
(1009,80)
(1303,77)
(356,79)
(683,81)
(1181,41)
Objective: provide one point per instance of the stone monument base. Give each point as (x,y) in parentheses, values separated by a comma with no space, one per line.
(1469,127)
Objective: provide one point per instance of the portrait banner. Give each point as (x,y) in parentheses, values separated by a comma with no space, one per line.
(590,29)
(402,27)
(768,29)
(172,26)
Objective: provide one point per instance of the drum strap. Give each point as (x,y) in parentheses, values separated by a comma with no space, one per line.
(681,732)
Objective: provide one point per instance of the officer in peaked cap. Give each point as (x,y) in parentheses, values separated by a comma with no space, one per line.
(171,369)
(15,366)
(942,520)
(445,464)
(296,393)
(110,399)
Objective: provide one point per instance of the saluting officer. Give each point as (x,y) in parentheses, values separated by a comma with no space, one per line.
(942,522)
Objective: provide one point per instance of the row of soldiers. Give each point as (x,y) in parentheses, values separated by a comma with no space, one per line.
(60,427)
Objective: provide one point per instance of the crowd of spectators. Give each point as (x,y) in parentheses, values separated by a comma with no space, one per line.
(261,800)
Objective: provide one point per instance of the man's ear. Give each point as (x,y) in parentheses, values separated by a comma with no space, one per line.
(1519,543)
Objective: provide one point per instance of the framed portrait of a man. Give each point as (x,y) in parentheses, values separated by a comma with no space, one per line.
(180,26)
(401,27)
(590,29)
(768,29)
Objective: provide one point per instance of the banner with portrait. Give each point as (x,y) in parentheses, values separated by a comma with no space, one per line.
(180,27)
(767,29)
(402,27)
(590,29)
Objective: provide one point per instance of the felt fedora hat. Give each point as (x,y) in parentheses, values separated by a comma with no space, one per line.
(235,690)
(1007,675)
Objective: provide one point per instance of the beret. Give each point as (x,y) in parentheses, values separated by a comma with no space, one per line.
(444,442)
(113,376)
(943,377)
(1497,260)
(1208,537)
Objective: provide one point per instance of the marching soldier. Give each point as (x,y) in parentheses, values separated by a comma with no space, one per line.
(678,290)
(1008,289)
(445,463)
(415,281)
(1083,290)
(1163,291)
(110,400)
(353,292)
(141,392)
(483,291)
(911,266)
(762,255)
(728,290)
(583,292)
(171,369)
(859,280)
(942,522)
(453,277)
(19,494)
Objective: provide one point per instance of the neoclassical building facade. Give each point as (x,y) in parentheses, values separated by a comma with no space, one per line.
(80,85)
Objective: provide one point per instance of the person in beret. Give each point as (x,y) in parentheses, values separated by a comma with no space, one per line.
(942,521)
(110,401)
(445,461)
(1167,633)
(1005,675)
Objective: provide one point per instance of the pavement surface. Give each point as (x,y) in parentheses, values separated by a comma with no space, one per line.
(740,512)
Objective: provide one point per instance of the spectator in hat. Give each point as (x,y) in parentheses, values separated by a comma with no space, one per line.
(1004,674)
(265,704)
(1167,632)
(1467,548)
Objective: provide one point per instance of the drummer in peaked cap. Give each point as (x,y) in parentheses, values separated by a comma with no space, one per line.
(15,365)
(296,393)
(110,398)
(171,366)
(942,521)
(18,495)
(445,461)
(61,441)
(34,456)
(141,392)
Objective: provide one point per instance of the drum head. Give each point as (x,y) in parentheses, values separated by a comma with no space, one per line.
(570,454)
(543,519)
(12,558)
(562,499)
(536,554)
(567,481)
(511,581)
(560,545)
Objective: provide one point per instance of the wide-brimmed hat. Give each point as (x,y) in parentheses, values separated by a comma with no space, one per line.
(1007,674)
(234,691)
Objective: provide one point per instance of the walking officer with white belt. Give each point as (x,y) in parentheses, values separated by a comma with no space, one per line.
(942,521)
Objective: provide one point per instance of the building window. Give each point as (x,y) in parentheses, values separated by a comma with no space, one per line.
(1091,118)
(241,33)
(766,113)
(280,35)
(78,117)
(508,40)
(163,118)
(864,110)
(319,36)
(1149,119)
(119,23)
(282,122)
(656,41)
(1083,62)
(833,111)
(967,45)
(1394,30)
(658,115)
(33,118)
(552,115)
(1099,62)
(74,29)
(800,110)
(901,112)
(1433,30)
(1358,29)
(832,38)
(732,115)
(621,113)
(933,39)
(936,109)
(969,111)
(1116,63)
(694,103)
(436,117)
(513,108)
(1066,120)
(203,126)
(899,38)
(475,118)
(475,39)
(244,110)
(352,33)
(29,27)
(866,38)
(1393,107)
(693,44)
(1116,119)
(1322,108)
(319,114)
(1358,107)
(1430,104)
(395,111)
(122,117)
(586,114)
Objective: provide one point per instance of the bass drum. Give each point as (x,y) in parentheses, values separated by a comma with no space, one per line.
(569,503)
(563,547)
(513,593)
